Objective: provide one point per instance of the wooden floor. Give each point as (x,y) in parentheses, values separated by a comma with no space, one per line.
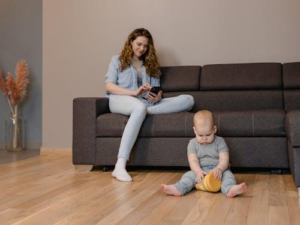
(46,189)
(7,157)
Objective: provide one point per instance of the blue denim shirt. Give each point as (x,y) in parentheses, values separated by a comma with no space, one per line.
(128,77)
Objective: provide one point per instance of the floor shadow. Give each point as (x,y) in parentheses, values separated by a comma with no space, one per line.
(8,157)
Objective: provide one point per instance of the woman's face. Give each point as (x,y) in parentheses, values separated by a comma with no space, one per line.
(139,46)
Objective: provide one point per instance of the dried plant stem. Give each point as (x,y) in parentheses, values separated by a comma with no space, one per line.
(11,109)
(16,129)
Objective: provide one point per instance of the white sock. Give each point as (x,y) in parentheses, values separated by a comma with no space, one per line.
(120,170)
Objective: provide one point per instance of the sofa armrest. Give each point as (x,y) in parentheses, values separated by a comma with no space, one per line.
(292,127)
(85,112)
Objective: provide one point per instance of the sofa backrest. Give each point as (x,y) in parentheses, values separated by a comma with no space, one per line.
(291,84)
(222,87)
(180,78)
(249,86)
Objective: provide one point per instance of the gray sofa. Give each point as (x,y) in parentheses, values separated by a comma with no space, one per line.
(256,108)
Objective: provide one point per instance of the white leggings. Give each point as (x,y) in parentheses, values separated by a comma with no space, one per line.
(137,110)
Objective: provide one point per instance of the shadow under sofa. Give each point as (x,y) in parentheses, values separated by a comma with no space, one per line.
(256,108)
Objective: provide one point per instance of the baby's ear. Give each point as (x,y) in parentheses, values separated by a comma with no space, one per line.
(215,129)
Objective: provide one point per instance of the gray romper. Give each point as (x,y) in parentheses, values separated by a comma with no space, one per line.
(208,156)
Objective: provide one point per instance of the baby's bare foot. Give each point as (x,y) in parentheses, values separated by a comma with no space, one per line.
(170,190)
(237,190)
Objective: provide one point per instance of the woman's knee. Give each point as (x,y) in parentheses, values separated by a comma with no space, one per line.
(188,100)
(140,108)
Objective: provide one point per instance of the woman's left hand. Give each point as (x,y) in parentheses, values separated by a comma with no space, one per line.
(151,97)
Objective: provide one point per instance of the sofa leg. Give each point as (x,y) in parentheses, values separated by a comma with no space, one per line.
(83,168)
(105,168)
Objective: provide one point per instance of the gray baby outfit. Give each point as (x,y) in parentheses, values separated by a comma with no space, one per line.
(208,156)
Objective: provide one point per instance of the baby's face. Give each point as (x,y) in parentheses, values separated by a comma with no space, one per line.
(205,134)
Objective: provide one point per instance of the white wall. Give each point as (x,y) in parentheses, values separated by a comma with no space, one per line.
(80,37)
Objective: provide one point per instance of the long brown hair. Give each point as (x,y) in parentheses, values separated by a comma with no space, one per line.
(149,57)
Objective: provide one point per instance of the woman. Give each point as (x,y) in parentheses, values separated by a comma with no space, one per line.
(128,82)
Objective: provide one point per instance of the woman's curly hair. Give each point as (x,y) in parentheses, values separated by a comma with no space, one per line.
(149,58)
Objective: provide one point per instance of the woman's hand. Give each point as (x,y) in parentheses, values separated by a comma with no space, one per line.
(142,89)
(151,97)
(200,175)
(217,173)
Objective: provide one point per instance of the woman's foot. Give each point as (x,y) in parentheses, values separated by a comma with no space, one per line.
(237,190)
(170,190)
(121,175)
(120,172)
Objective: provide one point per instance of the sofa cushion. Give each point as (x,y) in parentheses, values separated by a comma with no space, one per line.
(235,100)
(269,123)
(291,75)
(161,125)
(292,125)
(291,100)
(291,82)
(180,78)
(247,76)
(251,152)
(266,123)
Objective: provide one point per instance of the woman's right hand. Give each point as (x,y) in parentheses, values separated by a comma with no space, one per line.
(142,89)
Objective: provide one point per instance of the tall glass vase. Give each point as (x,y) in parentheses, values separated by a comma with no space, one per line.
(14,133)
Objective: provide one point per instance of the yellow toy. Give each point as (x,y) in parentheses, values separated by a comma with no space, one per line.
(209,183)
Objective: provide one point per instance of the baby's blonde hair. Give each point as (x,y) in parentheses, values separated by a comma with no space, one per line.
(203,117)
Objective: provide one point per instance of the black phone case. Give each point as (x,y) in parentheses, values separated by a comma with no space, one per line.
(155,90)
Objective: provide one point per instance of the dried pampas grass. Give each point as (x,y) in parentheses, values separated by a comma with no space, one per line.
(22,79)
(2,84)
(12,89)
(15,89)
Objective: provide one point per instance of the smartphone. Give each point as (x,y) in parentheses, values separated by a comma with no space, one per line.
(155,90)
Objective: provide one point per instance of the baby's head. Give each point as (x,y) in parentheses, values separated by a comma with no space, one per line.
(204,127)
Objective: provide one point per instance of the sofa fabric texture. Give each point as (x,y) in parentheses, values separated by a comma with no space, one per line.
(256,108)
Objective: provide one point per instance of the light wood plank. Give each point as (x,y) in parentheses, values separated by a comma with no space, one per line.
(83,168)
(293,201)
(148,206)
(48,190)
(278,210)
(117,205)
(136,201)
(201,209)
(259,206)
(240,207)
(181,209)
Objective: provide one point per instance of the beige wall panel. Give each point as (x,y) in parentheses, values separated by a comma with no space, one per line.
(80,37)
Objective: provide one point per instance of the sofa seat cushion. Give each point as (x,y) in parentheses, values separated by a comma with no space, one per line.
(161,125)
(292,126)
(265,123)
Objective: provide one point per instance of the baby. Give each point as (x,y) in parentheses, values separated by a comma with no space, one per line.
(207,153)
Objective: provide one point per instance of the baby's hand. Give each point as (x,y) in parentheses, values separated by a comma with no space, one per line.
(200,175)
(217,173)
